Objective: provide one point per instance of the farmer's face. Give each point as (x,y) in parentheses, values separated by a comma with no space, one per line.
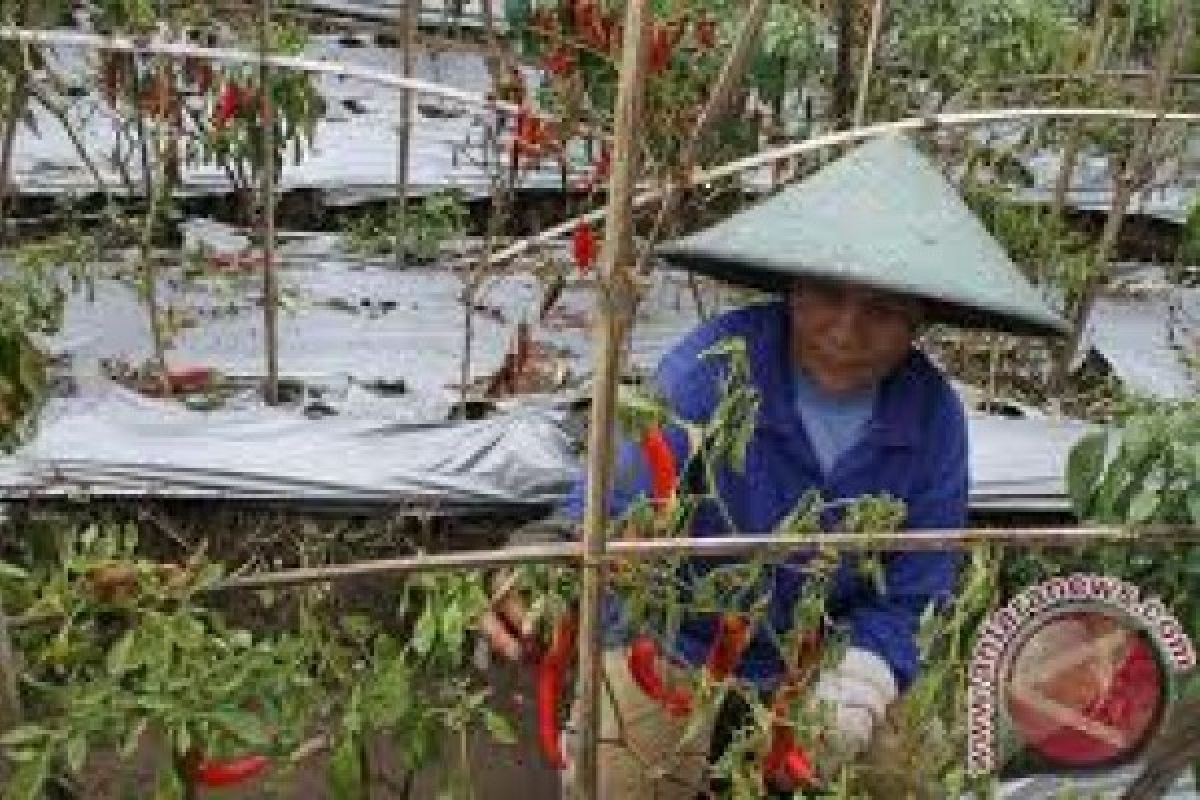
(847,337)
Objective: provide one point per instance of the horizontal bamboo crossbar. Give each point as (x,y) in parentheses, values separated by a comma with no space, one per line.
(651,549)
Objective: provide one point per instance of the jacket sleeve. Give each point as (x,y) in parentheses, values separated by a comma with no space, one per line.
(887,624)
(687,385)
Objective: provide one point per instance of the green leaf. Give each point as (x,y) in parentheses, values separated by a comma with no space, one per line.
(28,780)
(26,734)
(1143,506)
(134,737)
(243,726)
(345,774)
(1193,503)
(425,632)
(119,655)
(77,748)
(453,631)
(499,727)
(12,572)
(1084,466)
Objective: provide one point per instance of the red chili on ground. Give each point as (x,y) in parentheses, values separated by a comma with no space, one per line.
(214,774)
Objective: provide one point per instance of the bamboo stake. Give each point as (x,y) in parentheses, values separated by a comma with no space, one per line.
(1131,175)
(932,122)
(615,298)
(270,273)
(404,139)
(624,550)
(864,85)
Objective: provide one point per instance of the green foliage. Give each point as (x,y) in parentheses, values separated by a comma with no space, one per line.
(438,218)
(1147,470)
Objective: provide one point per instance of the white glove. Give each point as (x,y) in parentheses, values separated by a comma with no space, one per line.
(856,694)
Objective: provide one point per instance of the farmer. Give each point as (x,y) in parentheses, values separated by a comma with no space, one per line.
(862,256)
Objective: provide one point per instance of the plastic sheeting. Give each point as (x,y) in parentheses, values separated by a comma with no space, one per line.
(117,443)
(1147,341)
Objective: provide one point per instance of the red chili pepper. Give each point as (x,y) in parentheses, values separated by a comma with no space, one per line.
(706,32)
(214,774)
(661,461)
(550,670)
(643,666)
(660,48)
(583,246)
(227,104)
(787,761)
(559,62)
(733,633)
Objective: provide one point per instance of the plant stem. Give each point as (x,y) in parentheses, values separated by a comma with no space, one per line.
(17,103)
(270,274)
(149,271)
(615,299)
(408,23)
(864,86)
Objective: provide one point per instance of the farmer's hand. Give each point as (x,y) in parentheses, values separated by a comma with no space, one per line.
(855,695)
(505,624)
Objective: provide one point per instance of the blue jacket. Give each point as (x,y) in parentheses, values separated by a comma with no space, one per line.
(914,448)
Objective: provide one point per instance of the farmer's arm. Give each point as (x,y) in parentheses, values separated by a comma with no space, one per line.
(882,659)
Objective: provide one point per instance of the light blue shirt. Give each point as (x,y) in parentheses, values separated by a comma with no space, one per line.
(834,422)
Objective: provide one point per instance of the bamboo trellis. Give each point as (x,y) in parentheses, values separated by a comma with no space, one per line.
(597,551)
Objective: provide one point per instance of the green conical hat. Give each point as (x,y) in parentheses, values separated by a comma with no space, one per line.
(882,216)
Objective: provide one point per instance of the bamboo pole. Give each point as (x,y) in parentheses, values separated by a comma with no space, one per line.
(1131,175)
(615,297)
(270,272)
(626,550)
(864,85)
(932,122)
(408,22)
